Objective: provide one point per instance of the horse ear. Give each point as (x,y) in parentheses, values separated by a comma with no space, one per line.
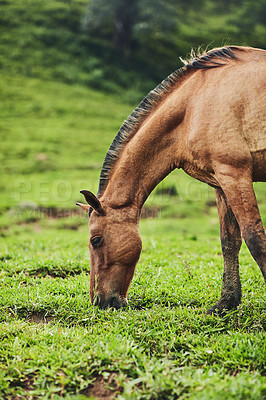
(85,207)
(92,200)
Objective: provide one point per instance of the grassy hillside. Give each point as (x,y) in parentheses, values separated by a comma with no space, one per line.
(38,38)
(50,40)
(47,40)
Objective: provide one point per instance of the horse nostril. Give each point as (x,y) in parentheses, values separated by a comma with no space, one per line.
(114,302)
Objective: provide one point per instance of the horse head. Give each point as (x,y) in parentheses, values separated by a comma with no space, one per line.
(115,247)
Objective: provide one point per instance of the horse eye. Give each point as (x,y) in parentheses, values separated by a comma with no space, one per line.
(97,241)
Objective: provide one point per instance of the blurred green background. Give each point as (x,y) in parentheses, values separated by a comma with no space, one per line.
(72,71)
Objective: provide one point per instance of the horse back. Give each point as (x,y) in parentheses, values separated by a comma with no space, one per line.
(226,116)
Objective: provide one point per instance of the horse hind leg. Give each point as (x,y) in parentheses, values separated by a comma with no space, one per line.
(231,243)
(237,186)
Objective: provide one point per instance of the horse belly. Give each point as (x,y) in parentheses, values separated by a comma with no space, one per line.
(259,166)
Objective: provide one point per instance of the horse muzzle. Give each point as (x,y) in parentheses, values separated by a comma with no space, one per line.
(113,301)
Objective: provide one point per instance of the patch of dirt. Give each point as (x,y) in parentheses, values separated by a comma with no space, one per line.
(103,388)
(40,318)
(34,213)
(26,383)
(41,157)
(56,272)
(56,213)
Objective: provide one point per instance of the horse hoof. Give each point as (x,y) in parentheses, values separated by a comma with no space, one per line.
(216,312)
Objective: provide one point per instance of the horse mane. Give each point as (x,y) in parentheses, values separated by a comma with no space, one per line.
(211,59)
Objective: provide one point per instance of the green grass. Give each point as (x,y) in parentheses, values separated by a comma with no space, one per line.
(162,346)
(53,343)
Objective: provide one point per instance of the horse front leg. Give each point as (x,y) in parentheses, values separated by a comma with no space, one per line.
(231,242)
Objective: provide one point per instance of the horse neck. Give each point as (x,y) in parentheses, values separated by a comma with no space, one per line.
(147,158)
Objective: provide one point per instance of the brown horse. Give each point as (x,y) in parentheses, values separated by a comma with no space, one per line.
(207,118)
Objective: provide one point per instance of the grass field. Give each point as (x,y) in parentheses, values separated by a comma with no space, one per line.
(54,344)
